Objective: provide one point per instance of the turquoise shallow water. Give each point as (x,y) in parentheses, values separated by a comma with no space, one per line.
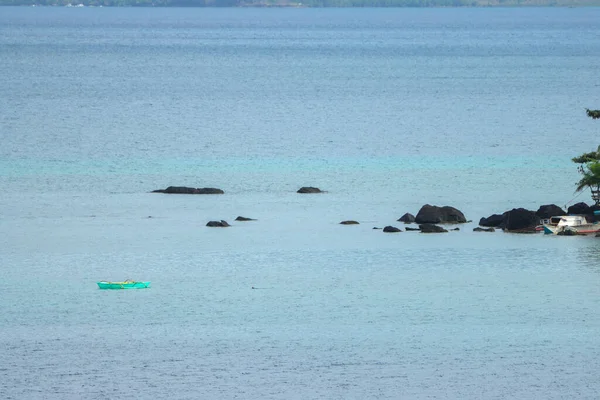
(387,110)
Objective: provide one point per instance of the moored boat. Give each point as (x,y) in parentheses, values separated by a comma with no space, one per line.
(128,284)
(570,225)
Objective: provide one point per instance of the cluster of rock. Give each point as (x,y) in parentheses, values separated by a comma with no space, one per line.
(427,218)
(218,224)
(523,220)
(192,190)
(515,220)
(223,224)
(423,228)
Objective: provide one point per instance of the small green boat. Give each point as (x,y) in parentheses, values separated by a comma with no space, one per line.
(128,284)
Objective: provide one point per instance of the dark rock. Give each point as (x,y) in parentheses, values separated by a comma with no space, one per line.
(308,189)
(244,219)
(376,227)
(494,220)
(592,216)
(455,229)
(478,229)
(568,232)
(408,228)
(391,229)
(407,218)
(520,220)
(349,223)
(188,190)
(579,208)
(549,210)
(218,224)
(438,215)
(431,228)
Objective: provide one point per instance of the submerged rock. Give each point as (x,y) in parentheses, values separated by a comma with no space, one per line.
(350,222)
(391,229)
(218,224)
(431,228)
(309,189)
(188,190)
(407,218)
(244,219)
(478,229)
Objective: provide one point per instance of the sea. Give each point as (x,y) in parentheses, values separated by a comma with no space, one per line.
(385,110)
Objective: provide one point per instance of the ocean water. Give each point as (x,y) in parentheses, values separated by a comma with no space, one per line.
(386,110)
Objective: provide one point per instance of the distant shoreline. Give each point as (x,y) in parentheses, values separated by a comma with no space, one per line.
(284,6)
(306,3)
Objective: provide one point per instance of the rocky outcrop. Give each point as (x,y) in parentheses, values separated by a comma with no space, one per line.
(549,210)
(407,218)
(439,215)
(243,219)
(349,223)
(188,190)
(408,228)
(218,224)
(431,228)
(478,229)
(520,220)
(309,189)
(391,229)
(494,220)
(579,208)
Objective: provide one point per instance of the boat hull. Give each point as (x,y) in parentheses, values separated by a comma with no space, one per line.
(571,230)
(569,225)
(549,230)
(122,285)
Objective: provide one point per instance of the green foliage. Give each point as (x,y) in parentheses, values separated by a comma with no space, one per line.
(587,157)
(590,164)
(593,155)
(591,176)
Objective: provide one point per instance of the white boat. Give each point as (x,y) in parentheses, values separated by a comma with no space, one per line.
(570,225)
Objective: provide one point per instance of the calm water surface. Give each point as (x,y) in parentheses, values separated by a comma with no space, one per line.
(480,109)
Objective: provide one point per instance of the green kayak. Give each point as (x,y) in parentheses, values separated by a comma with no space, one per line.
(123,285)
